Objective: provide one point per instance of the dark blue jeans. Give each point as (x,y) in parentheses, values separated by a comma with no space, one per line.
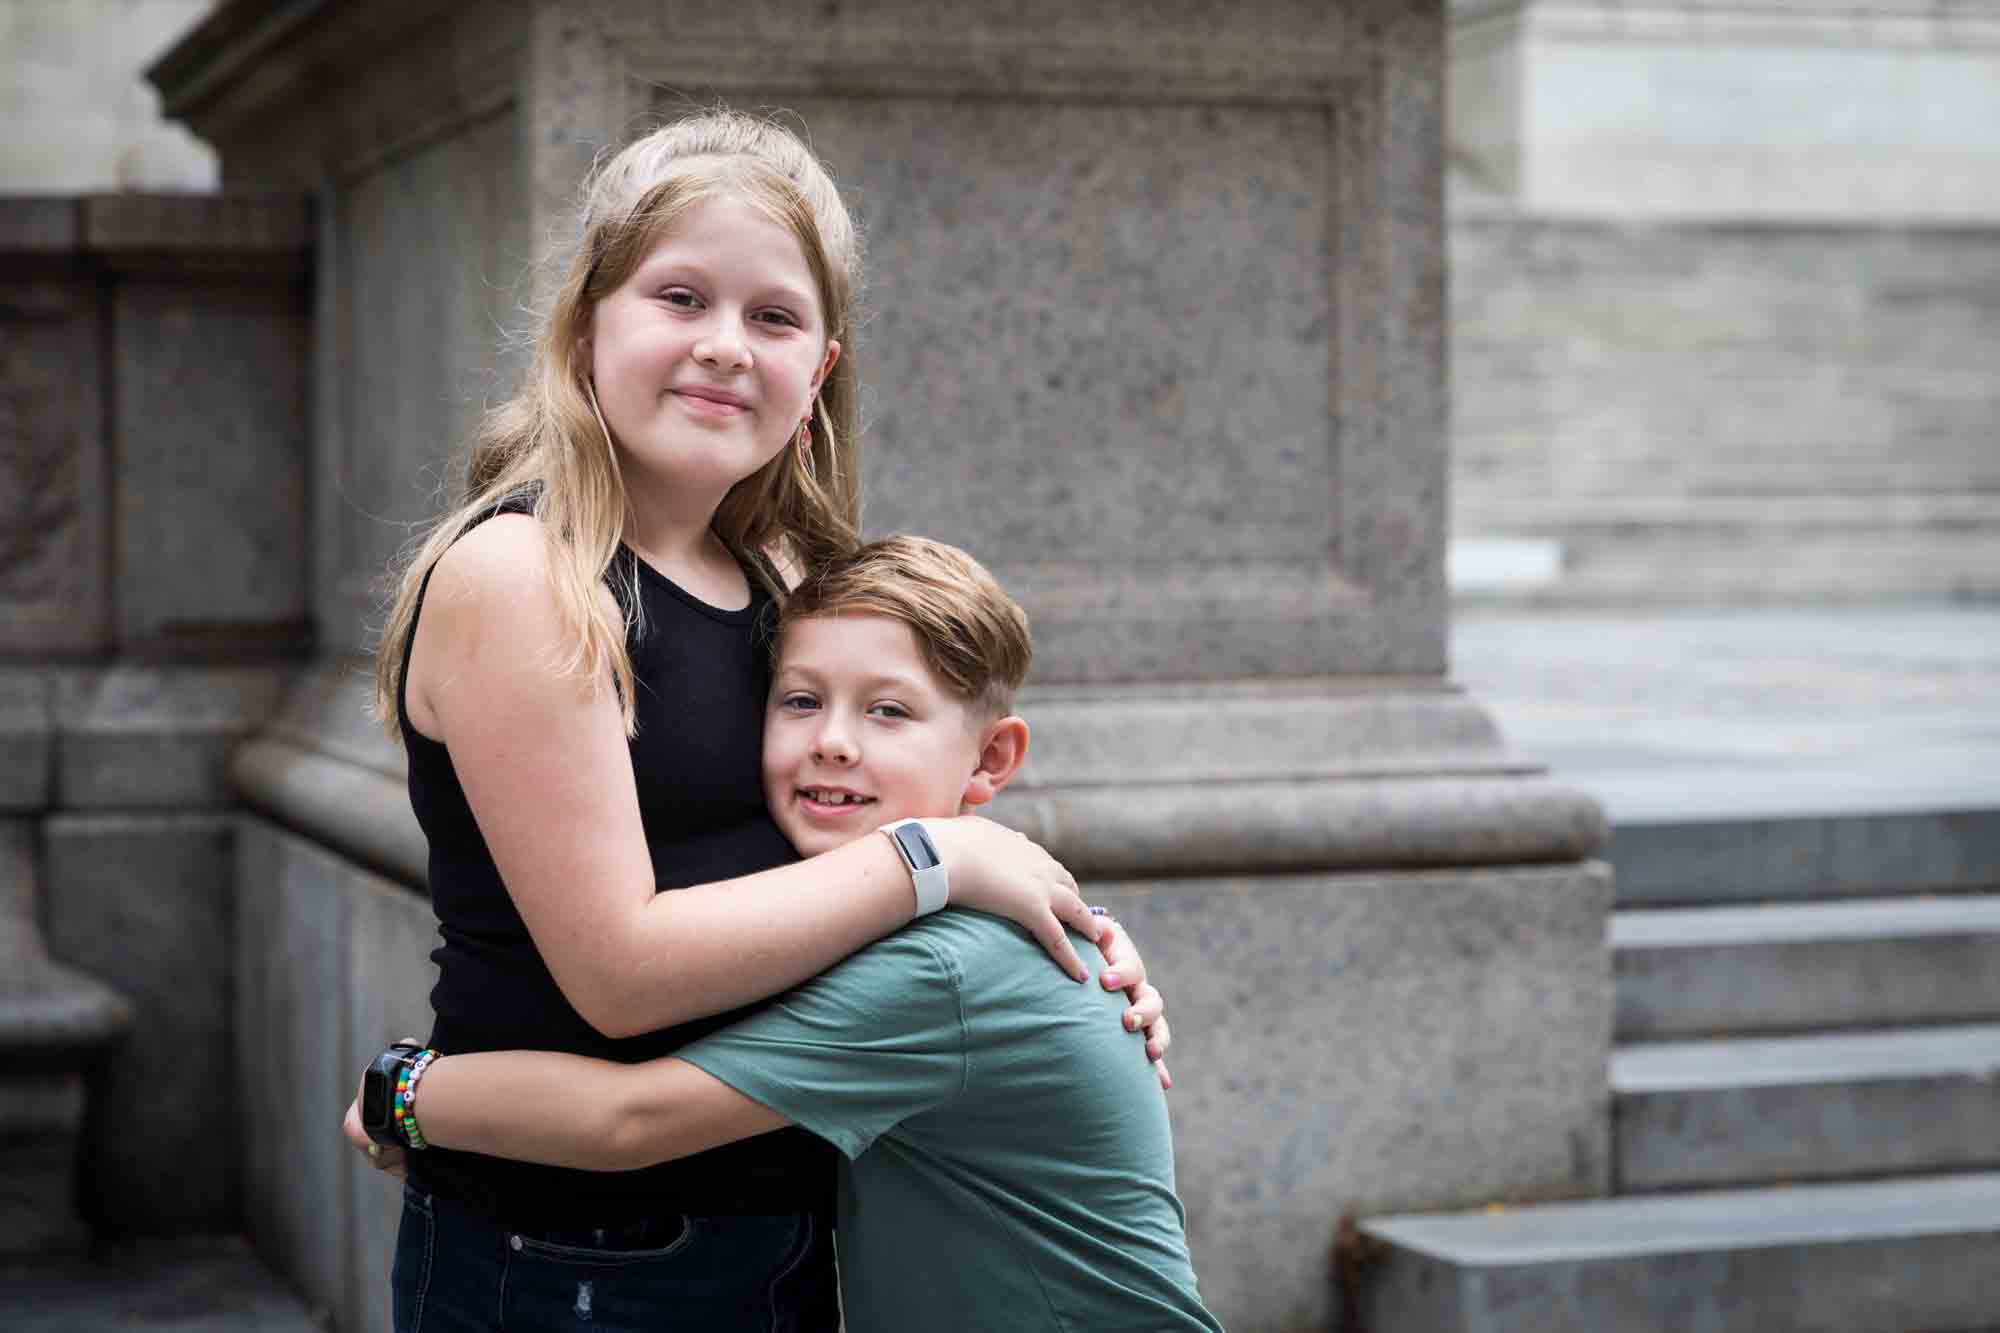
(455,1271)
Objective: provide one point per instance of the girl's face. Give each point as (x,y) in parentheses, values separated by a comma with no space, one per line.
(707,358)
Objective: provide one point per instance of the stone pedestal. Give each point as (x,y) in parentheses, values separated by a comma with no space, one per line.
(1155,328)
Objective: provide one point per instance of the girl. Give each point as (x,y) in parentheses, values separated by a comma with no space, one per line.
(573,662)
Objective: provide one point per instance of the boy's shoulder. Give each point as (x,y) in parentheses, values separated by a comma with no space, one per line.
(989,955)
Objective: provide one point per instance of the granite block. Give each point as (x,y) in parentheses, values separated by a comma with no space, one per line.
(1850,1258)
(1806,967)
(1008,239)
(54,484)
(1845,454)
(53,1016)
(1836,856)
(148,737)
(275,225)
(20,893)
(37,225)
(211,518)
(1900,1101)
(27,752)
(291,950)
(1351,824)
(1253,730)
(1734,110)
(1365,1042)
(144,902)
(432,249)
(327,710)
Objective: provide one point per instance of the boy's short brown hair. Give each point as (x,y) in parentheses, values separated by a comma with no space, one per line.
(973,636)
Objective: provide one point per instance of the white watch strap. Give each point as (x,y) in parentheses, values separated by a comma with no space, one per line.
(932,884)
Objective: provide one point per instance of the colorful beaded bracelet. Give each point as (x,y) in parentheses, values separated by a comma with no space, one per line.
(405,1106)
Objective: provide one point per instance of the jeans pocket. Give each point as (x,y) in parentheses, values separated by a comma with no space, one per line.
(553,1252)
(410,1271)
(802,1296)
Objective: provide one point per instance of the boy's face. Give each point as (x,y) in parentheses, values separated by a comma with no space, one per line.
(859,732)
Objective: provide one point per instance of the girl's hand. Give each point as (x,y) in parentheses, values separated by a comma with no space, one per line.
(997,870)
(1125,970)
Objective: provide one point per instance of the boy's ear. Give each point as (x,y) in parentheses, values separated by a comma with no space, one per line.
(1003,744)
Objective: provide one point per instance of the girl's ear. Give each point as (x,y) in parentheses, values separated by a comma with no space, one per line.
(826,366)
(1003,745)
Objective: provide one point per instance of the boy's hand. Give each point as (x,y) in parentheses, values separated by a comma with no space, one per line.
(1125,970)
(994,869)
(380,1157)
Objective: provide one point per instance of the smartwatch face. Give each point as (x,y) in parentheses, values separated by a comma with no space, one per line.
(916,845)
(379,1086)
(375,1097)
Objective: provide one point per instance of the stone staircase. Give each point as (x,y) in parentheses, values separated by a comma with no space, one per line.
(1806,1100)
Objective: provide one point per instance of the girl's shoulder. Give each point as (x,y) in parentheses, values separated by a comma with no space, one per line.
(501,558)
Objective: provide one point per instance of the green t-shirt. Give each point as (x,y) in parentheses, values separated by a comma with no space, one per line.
(1008,1160)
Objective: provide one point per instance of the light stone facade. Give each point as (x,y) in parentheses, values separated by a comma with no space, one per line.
(1725,278)
(79,117)
(1739,110)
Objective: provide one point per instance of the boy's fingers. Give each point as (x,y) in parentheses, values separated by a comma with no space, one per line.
(350,1125)
(1166,1079)
(1158,1038)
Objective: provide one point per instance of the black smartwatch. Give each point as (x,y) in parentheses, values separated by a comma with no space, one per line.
(378,1093)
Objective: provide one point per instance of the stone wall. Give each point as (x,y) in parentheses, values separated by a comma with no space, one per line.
(1729,414)
(1723,271)
(152,602)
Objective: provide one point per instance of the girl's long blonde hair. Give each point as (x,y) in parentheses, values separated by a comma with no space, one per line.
(549,439)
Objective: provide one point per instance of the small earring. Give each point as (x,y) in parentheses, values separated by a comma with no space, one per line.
(803,444)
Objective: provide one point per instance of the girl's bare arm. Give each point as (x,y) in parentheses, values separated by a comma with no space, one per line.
(567,1110)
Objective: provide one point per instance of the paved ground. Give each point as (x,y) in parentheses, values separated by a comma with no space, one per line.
(205,1284)
(1704,714)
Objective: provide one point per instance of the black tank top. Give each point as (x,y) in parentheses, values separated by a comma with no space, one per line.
(700,677)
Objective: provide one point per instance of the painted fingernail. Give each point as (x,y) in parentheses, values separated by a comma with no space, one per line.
(1111,980)
(1131,1020)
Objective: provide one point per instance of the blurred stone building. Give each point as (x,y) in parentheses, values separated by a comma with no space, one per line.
(1725,299)
(1723,278)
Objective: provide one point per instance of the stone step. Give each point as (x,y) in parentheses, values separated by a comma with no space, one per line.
(1687,862)
(1805,967)
(201,1284)
(1689,1115)
(1852,1258)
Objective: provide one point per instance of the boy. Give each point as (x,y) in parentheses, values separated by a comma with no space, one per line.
(1001,1168)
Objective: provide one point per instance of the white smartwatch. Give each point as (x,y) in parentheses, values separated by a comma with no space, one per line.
(920,854)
